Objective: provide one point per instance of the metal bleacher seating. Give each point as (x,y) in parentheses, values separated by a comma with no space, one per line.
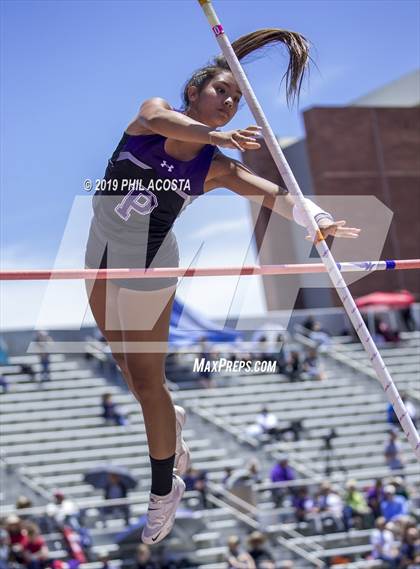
(53,432)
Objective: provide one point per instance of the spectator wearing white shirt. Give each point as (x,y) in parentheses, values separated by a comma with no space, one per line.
(265,424)
(330,507)
(383,542)
(267,421)
(411,409)
(62,512)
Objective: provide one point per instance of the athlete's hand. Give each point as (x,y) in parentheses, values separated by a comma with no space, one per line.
(242,138)
(336,229)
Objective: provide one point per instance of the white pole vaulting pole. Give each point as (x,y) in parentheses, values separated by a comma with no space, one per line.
(322,247)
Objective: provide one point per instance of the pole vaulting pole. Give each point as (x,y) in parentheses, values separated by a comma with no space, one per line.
(163,272)
(313,229)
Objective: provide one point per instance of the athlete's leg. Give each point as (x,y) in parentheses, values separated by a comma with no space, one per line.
(102,295)
(145,354)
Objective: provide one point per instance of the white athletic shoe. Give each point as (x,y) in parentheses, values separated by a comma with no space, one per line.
(182,452)
(161,512)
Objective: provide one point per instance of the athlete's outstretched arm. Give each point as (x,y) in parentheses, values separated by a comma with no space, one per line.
(157,115)
(243,181)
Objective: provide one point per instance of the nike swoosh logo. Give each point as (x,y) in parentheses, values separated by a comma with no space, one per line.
(152,509)
(155,538)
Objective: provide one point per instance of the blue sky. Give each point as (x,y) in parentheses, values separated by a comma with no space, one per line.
(74,73)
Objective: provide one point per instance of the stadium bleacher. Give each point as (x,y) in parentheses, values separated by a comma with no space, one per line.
(53,432)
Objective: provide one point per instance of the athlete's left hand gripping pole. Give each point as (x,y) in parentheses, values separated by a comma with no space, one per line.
(314,231)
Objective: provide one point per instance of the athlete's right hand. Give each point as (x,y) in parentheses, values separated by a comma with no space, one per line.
(242,138)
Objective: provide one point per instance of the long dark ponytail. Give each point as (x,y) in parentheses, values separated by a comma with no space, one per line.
(296,44)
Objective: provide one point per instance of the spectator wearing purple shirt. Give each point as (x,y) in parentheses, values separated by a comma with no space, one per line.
(374,496)
(302,504)
(281,472)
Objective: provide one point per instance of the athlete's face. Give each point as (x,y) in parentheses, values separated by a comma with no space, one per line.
(218,102)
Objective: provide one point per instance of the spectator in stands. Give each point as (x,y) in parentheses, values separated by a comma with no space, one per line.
(281,472)
(391,417)
(242,480)
(296,428)
(309,324)
(41,346)
(197,480)
(400,525)
(4,383)
(383,543)
(115,489)
(61,512)
(28,370)
(282,354)
(190,479)
(201,487)
(393,506)
(264,422)
(23,503)
(254,471)
(311,366)
(36,552)
(144,558)
(293,431)
(408,318)
(384,333)
(236,557)
(392,451)
(268,422)
(320,337)
(261,556)
(4,549)
(400,487)
(411,410)
(374,496)
(330,507)
(18,537)
(263,351)
(111,412)
(409,552)
(294,366)
(205,375)
(356,510)
(303,504)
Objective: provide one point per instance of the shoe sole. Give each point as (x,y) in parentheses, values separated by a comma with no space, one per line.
(184,458)
(166,528)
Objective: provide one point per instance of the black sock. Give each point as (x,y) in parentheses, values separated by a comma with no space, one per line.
(162,475)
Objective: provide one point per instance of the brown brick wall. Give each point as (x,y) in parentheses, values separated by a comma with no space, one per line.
(372,151)
(357,151)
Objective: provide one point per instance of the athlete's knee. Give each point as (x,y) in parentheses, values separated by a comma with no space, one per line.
(121,361)
(146,373)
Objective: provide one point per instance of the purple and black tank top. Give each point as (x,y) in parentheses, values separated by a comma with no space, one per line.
(143,191)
